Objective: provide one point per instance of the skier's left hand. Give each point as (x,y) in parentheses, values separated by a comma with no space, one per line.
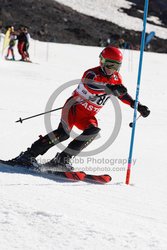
(143,110)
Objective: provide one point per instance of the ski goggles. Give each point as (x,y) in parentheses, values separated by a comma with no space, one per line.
(110,64)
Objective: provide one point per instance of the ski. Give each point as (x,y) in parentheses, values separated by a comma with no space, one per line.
(74,176)
(101,179)
(82,176)
(69,175)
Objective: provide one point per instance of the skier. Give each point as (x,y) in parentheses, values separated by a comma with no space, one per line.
(96,86)
(23,44)
(12,43)
(27,44)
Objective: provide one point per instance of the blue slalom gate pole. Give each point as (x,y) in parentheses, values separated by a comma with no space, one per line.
(137,91)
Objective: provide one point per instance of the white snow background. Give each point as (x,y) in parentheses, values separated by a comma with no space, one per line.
(41,213)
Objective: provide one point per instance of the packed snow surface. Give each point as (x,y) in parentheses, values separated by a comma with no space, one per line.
(42,213)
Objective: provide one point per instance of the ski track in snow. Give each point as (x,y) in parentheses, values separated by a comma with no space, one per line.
(41,213)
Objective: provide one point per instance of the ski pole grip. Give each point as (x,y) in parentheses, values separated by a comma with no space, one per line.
(20,120)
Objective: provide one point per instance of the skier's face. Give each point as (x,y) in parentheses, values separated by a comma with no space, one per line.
(110,68)
(109,71)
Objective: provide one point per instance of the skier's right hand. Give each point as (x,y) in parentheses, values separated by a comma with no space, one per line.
(143,110)
(116,90)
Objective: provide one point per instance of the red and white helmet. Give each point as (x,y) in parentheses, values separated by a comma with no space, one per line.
(111,58)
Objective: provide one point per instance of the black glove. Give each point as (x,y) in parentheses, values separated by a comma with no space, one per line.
(116,90)
(143,110)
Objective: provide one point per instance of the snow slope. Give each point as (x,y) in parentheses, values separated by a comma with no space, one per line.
(40,213)
(110,10)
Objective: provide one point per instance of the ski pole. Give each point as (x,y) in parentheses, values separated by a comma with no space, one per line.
(21,120)
(131,123)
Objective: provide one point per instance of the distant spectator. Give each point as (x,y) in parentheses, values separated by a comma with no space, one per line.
(27,43)
(23,44)
(122,44)
(12,43)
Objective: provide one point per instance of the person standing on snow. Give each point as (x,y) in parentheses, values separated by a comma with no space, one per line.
(12,43)
(27,43)
(96,86)
(23,44)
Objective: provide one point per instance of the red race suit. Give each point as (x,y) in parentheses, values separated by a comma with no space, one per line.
(89,97)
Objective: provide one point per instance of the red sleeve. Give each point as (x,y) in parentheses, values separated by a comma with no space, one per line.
(91,83)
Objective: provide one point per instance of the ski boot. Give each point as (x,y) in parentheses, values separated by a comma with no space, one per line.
(61,162)
(25,159)
(39,147)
